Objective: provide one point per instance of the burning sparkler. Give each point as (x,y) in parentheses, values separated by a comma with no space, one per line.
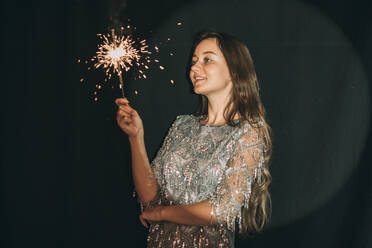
(120,53)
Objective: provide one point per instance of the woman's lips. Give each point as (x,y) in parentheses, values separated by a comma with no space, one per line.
(199,79)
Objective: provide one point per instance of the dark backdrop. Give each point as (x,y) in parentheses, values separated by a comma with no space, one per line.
(65,166)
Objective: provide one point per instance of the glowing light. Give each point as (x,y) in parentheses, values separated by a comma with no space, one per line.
(172,81)
(120,53)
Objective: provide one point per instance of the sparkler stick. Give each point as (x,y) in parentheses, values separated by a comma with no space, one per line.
(121,85)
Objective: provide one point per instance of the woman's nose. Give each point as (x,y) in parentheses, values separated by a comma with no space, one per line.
(195,67)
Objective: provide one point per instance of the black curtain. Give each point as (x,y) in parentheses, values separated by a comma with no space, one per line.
(65,177)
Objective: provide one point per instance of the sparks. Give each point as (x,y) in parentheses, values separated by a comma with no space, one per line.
(119,53)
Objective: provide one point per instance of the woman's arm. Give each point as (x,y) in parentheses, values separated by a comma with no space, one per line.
(143,177)
(197,214)
(130,122)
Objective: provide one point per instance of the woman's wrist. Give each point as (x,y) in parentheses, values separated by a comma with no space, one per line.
(138,139)
(163,212)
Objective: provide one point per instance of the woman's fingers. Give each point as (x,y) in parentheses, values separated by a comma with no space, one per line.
(128,119)
(123,116)
(126,109)
(143,221)
(121,101)
(123,104)
(123,113)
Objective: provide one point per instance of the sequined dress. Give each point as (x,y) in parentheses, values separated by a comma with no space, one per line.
(200,162)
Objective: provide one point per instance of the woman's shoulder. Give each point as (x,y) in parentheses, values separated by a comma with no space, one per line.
(253,124)
(184,119)
(182,123)
(251,131)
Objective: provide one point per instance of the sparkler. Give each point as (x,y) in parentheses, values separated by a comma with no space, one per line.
(120,53)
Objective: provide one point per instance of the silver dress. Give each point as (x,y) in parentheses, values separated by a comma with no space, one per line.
(200,162)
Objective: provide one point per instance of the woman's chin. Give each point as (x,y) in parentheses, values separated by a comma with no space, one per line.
(199,90)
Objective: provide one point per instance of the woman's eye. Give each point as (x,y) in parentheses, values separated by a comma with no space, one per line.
(206,60)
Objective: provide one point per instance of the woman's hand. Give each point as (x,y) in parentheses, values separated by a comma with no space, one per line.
(128,119)
(152,215)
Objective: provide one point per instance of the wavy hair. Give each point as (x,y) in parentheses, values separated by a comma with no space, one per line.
(245,100)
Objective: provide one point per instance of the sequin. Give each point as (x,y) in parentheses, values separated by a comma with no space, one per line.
(200,162)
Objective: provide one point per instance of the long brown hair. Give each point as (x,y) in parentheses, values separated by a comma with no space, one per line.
(245,101)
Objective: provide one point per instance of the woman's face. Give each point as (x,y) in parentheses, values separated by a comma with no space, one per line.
(209,73)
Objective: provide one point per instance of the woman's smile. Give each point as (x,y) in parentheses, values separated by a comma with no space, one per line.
(209,73)
(198,79)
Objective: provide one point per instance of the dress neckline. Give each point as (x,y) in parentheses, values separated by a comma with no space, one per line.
(211,125)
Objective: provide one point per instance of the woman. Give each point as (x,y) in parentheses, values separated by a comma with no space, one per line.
(211,171)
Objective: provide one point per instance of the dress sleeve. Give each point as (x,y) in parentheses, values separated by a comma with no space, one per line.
(243,169)
(157,162)
(157,166)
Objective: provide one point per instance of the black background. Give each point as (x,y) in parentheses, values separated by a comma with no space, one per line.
(65,165)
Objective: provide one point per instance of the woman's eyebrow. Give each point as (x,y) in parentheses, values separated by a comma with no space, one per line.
(206,52)
(210,52)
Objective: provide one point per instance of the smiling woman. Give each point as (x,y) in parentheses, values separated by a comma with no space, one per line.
(212,170)
(209,72)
